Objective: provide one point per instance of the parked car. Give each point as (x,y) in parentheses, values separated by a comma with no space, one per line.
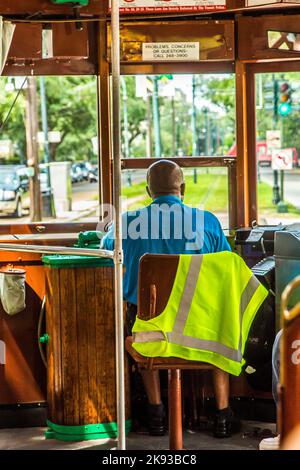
(85,169)
(14,190)
(76,173)
(44,178)
(93,175)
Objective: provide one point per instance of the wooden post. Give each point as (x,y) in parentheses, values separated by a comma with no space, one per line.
(246,145)
(104,141)
(232,197)
(31,124)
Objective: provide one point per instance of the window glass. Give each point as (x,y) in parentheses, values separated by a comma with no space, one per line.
(278,147)
(167,116)
(67,120)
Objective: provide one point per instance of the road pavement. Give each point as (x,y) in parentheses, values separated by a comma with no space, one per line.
(291,184)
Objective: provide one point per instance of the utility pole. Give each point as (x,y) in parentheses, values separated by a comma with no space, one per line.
(50,203)
(45,124)
(125,122)
(207,134)
(33,149)
(156,118)
(149,143)
(173,127)
(194,130)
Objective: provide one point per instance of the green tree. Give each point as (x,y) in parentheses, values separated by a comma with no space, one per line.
(72,110)
(14,128)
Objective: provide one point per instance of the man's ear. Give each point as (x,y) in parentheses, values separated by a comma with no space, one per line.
(182,189)
(148,191)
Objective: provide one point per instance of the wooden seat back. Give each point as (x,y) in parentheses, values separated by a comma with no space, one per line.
(156,279)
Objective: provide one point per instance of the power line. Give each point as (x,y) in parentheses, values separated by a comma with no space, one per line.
(2,125)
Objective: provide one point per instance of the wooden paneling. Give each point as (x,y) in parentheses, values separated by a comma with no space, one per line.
(46,228)
(253,36)
(81,350)
(69,42)
(23,377)
(215,38)
(46,7)
(74,52)
(27,42)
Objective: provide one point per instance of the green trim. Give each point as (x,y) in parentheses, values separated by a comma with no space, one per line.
(76,261)
(44,339)
(85,432)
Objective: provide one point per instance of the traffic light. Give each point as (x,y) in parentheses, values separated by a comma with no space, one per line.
(285,99)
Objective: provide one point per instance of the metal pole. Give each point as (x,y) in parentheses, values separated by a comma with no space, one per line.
(45,124)
(149,131)
(125,121)
(194,131)
(276,195)
(57,250)
(156,119)
(118,252)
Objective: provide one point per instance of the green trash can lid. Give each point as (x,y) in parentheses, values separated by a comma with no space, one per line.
(76,261)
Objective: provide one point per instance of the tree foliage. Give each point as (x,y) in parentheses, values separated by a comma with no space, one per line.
(72,110)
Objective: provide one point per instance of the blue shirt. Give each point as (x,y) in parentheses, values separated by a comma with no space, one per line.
(166,226)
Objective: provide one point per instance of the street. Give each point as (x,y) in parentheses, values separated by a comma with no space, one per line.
(291,184)
(81,193)
(84,195)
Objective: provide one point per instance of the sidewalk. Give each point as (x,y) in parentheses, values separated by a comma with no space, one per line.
(80,210)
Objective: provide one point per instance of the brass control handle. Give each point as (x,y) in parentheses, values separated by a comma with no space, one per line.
(40,228)
(286,314)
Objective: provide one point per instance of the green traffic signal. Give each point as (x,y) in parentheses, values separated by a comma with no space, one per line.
(165,76)
(284,109)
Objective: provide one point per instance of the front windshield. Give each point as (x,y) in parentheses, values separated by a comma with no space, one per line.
(8,178)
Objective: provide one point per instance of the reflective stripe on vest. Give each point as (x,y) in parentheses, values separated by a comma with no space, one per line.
(177,337)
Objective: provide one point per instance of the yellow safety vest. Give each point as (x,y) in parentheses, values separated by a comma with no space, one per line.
(213,302)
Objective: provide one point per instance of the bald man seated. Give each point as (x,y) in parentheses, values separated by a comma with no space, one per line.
(168,226)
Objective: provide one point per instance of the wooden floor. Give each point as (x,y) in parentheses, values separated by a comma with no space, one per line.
(33,439)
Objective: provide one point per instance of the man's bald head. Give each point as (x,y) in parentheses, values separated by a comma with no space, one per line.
(165,177)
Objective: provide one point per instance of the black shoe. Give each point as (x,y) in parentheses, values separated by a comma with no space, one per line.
(156,420)
(226,423)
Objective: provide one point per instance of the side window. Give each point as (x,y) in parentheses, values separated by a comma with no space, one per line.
(278,146)
(165,116)
(24,180)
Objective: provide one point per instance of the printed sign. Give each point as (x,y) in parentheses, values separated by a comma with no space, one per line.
(150,6)
(282,159)
(256,3)
(273,139)
(171,51)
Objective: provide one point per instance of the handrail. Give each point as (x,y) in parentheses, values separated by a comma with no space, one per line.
(118,250)
(184,162)
(57,250)
(294,312)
